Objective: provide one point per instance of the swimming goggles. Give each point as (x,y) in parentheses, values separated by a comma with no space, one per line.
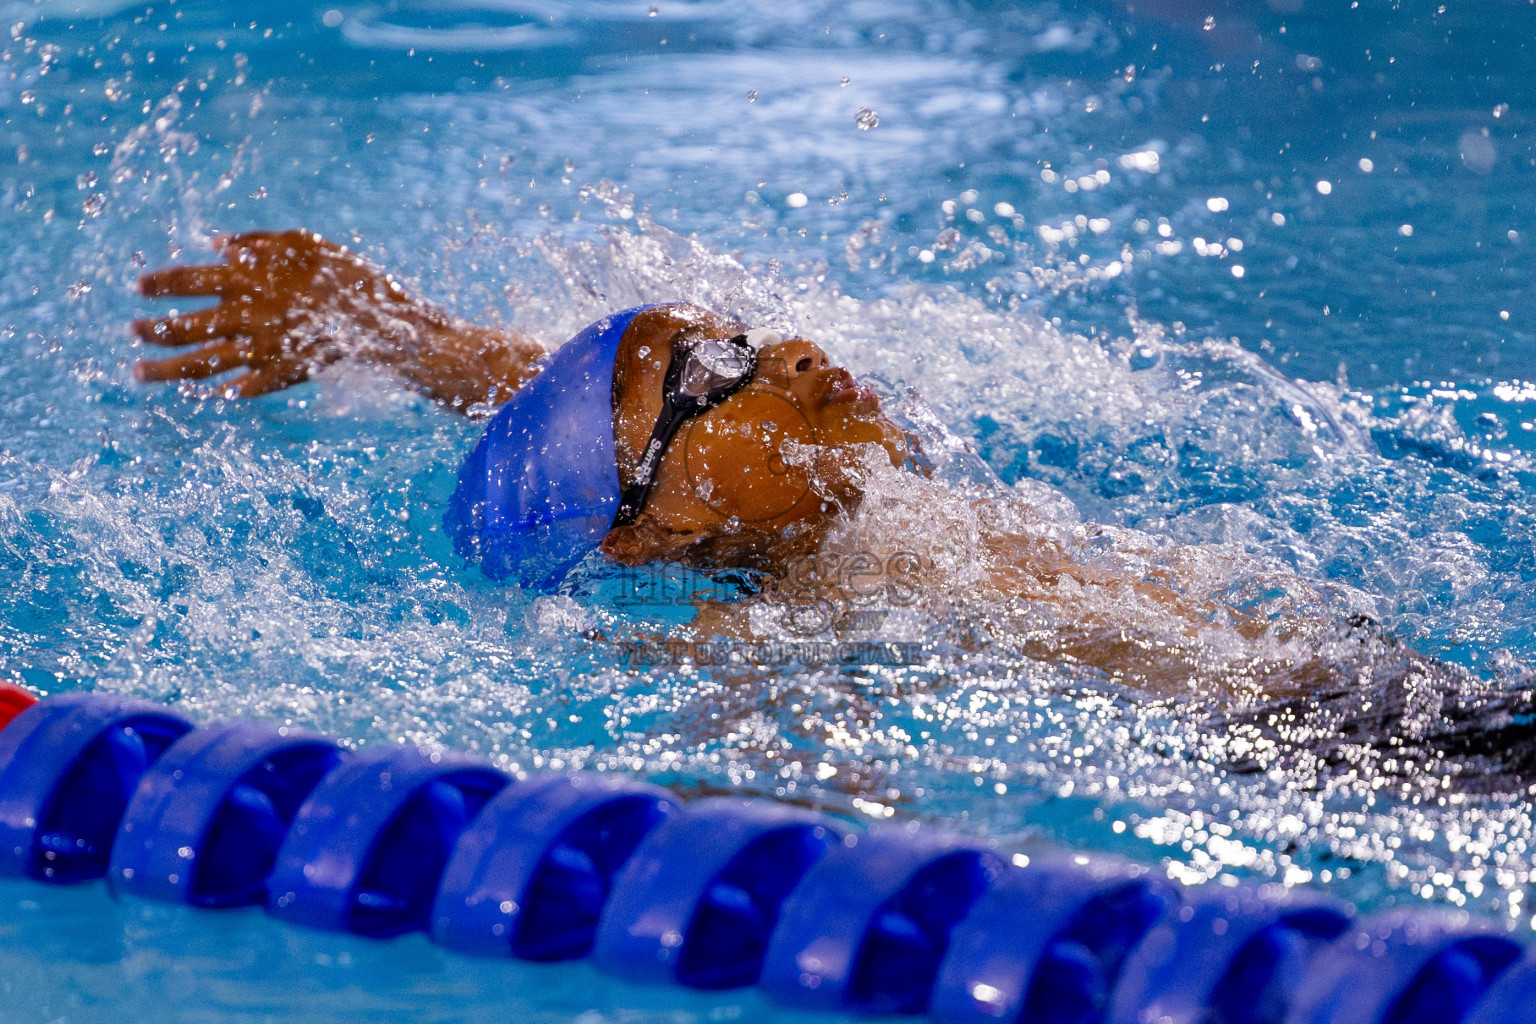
(702,374)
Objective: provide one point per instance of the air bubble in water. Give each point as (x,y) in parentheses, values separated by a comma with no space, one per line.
(102,148)
(844,81)
(85,180)
(653,11)
(1210,22)
(27,95)
(752,98)
(866,119)
(94,205)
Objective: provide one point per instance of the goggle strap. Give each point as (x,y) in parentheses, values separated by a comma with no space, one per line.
(633,498)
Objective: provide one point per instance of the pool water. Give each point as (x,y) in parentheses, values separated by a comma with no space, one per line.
(1255,279)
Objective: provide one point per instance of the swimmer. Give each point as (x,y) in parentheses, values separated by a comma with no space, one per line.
(671,433)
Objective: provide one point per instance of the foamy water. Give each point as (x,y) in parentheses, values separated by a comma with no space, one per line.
(283,558)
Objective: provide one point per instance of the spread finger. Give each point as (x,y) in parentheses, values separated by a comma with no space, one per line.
(198,364)
(209,279)
(204,325)
(263,381)
(266,243)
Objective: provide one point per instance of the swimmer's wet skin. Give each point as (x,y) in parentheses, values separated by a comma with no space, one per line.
(673,433)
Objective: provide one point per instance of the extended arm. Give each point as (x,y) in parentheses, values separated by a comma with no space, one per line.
(290,302)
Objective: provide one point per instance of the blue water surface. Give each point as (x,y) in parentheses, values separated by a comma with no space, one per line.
(1255,276)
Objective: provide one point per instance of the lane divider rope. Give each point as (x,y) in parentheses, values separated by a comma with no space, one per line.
(715,894)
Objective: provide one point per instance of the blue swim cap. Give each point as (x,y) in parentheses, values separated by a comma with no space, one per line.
(541,487)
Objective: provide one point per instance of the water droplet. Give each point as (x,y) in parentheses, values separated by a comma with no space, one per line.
(1367,164)
(1210,22)
(844,81)
(1501,110)
(866,119)
(331,18)
(654,11)
(796,200)
(1324,187)
(86,180)
(94,205)
(752,98)
(101,148)
(1477,150)
(1217,204)
(27,96)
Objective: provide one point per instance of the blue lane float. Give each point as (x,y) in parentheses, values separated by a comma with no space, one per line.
(208,817)
(717,894)
(531,875)
(1511,997)
(867,928)
(699,899)
(68,767)
(1403,968)
(367,849)
(1048,943)
(1227,956)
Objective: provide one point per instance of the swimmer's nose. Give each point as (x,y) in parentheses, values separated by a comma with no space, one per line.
(799,356)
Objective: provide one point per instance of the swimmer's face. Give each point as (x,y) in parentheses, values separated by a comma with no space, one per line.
(761,473)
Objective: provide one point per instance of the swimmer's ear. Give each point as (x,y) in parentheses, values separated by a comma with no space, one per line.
(646,540)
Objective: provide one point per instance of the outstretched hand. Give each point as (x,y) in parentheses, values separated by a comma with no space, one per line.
(289,303)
